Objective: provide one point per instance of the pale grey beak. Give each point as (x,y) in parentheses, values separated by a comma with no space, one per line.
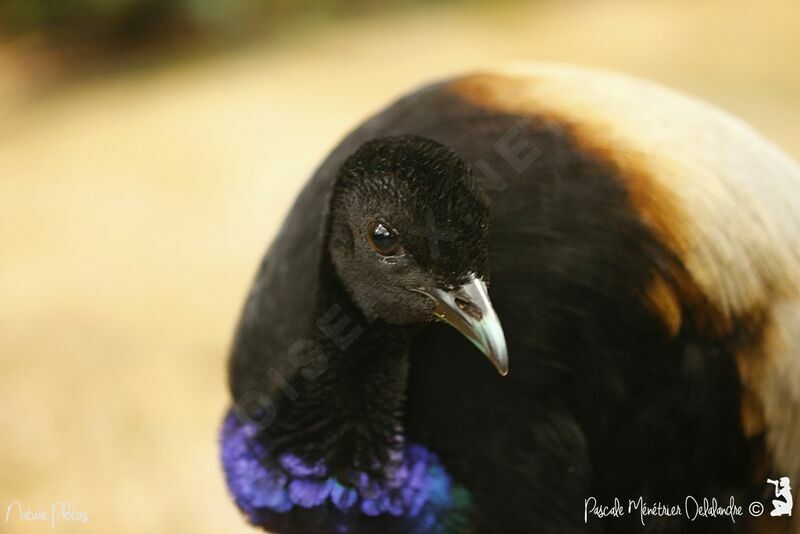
(469,310)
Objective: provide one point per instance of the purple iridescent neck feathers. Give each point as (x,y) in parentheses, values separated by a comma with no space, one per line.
(286,494)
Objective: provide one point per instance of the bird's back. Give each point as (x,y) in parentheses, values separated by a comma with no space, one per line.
(645,254)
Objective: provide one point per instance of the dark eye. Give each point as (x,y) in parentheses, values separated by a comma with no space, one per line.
(384,241)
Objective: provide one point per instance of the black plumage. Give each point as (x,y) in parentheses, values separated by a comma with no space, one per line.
(630,375)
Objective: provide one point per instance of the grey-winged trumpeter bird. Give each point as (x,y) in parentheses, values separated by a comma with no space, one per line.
(626,258)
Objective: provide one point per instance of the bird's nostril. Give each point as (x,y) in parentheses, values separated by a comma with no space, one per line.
(469,308)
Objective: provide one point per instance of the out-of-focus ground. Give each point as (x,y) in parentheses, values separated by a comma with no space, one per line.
(135,205)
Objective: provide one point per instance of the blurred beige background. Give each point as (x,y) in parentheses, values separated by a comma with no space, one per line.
(135,204)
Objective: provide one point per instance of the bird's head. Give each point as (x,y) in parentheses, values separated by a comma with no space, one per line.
(409,239)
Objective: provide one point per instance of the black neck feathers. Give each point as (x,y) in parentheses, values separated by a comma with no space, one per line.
(347,398)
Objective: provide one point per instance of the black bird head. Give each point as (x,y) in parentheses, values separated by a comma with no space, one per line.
(409,239)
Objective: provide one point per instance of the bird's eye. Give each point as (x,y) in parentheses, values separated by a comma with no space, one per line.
(384,241)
